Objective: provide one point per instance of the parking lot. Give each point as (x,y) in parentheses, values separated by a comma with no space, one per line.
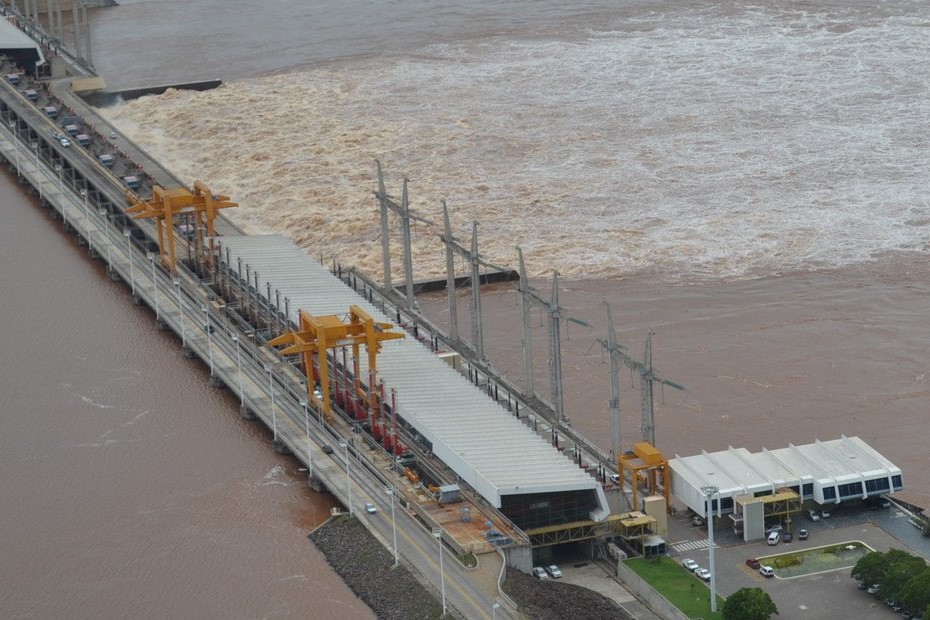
(825,595)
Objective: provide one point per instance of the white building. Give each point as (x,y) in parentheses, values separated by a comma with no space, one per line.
(827,472)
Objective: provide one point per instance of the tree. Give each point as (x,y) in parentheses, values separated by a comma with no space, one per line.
(915,594)
(891,570)
(749,604)
(900,573)
(870,568)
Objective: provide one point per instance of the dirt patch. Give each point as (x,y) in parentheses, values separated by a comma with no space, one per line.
(554,599)
(368,569)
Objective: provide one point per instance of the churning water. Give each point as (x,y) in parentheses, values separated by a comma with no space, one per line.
(692,142)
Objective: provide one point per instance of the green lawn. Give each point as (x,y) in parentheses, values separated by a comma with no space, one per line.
(684,590)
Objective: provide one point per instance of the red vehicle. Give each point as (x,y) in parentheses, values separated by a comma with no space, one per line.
(752,563)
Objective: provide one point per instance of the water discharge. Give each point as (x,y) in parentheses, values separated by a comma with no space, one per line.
(690,143)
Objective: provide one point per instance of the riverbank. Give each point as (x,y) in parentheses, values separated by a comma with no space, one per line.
(556,600)
(368,569)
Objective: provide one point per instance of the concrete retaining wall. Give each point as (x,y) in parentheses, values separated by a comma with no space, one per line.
(647,594)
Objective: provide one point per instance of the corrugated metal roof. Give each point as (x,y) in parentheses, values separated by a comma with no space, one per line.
(734,470)
(485,445)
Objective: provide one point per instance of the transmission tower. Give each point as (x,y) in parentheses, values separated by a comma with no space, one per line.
(648,377)
(403,210)
(556,314)
(475,261)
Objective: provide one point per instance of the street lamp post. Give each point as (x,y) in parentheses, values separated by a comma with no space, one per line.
(132,276)
(61,195)
(345,445)
(151,257)
(709,491)
(14,127)
(437,532)
(35,148)
(177,285)
(391,491)
(239,371)
(86,214)
(206,315)
(274,419)
(106,228)
(303,403)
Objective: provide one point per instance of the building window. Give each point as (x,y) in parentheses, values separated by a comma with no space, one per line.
(808,489)
(852,489)
(896,482)
(829,493)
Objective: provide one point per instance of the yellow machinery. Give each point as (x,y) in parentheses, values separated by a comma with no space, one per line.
(643,465)
(168,203)
(317,334)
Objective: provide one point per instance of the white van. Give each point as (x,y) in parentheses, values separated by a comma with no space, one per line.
(773,538)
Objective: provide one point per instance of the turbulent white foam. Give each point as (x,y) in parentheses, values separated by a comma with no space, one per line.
(692,143)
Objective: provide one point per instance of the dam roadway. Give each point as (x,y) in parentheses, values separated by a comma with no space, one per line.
(89,200)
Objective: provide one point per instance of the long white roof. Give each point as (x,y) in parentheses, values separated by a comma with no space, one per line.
(485,445)
(737,470)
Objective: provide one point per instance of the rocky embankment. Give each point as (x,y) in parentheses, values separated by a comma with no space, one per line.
(549,600)
(368,569)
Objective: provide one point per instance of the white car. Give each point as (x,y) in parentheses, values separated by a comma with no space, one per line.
(540,573)
(370,508)
(703,573)
(690,564)
(64,141)
(554,571)
(766,571)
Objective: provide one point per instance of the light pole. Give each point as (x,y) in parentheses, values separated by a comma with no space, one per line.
(437,532)
(709,491)
(274,419)
(390,490)
(106,228)
(239,371)
(345,445)
(86,214)
(151,257)
(61,195)
(132,276)
(35,148)
(303,403)
(494,609)
(15,129)
(177,285)
(206,317)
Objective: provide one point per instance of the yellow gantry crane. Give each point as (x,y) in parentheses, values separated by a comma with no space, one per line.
(166,204)
(319,333)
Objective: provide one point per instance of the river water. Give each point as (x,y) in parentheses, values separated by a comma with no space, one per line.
(747,181)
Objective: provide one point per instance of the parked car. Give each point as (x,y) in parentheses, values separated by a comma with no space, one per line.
(786,537)
(540,573)
(824,513)
(766,571)
(874,588)
(690,564)
(370,508)
(802,534)
(773,538)
(813,515)
(703,573)
(697,520)
(64,141)
(753,563)
(774,528)
(554,571)
(327,449)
